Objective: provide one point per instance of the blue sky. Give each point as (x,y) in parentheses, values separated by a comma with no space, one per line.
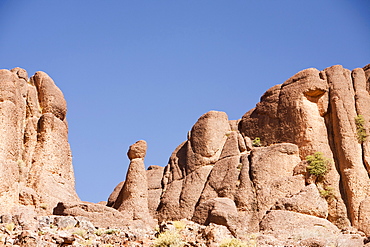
(134,70)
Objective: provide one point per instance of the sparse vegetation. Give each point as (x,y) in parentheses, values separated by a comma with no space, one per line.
(80,232)
(112,231)
(233,242)
(10,227)
(179,225)
(256,142)
(327,193)
(99,232)
(318,164)
(239,167)
(361,131)
(169,239)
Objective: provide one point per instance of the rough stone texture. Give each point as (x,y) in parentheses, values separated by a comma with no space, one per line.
(51,99)
(113,196)
(154,175)
(137,150)
(223,179)
(35,156)
(133,197)
(209,133)
(362,99)
(272,174)
(245,198)
(231,147)
(307,201)
(169,207)
(316,110)
(291,225)
(364,216)
(99,215)
(355,179)
(221,211)
(181,196)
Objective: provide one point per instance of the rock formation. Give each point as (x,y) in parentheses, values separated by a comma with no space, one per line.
(238,177)
(218,176)
(36,165)
(133,197)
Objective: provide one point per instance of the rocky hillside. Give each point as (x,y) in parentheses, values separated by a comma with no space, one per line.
(292,171)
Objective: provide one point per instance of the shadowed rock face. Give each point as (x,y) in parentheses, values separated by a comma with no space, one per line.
(35,156)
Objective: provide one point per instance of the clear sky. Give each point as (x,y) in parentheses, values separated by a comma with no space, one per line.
(134,70)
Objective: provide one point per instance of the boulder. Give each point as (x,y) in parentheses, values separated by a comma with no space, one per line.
(137,150)
(99,215)
(285,225)
(301,111)
(223,179)
(221,211)
(209,133)
(272,174)
(307,201)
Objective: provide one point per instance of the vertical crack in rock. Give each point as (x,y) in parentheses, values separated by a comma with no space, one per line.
(349,154)
(362,103)
(34,151)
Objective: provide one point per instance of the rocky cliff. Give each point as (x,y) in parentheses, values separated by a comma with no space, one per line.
(251,176)
(36,167)
(218,176)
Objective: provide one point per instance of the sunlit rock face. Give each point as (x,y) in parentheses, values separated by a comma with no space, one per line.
(35,157)
(313,111)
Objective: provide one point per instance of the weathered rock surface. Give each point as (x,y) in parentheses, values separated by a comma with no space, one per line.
(99,215)
(133,197)
(290,225)
(221,176)
(313,111)
(35,156)
(307,201)
(272,174)
(221,211)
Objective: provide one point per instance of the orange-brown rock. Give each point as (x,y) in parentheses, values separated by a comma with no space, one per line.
(35,156)
(99,215)
(133,197)
(221,174)
(272,174)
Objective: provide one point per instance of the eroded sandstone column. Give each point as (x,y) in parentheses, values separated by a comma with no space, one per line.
(133,197)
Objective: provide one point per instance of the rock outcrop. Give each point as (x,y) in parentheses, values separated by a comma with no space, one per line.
(133,197)
(220,167)
(237,177)
(35,156)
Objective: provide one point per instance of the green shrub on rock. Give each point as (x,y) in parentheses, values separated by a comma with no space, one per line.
(256,142)
(318,164)
(361,131)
